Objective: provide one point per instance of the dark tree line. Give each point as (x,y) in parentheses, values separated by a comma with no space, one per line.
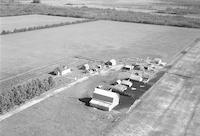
(21,93)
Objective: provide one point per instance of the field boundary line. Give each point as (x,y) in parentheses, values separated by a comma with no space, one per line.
(37,100)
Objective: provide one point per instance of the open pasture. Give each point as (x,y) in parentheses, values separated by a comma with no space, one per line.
(16,22)
(22,52)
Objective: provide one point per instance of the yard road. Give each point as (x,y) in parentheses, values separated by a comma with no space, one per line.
(172,106)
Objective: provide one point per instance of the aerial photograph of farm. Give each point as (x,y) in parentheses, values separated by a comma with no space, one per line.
(100,67)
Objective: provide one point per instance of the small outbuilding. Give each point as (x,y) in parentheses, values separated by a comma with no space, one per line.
(86,67)
(134,77)
(157,60)
(119,88)
(99,66)
(63,70)
(104,100)
(127,67)
(127,83)
(145,77)
(138,67)
(111,62)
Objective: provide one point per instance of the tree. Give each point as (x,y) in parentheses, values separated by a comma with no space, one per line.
(10,96)
(51,82)
(29,91)
(22,93)
(41,86)
(36,1)
(16,94)
(46,84)
(2,103)
(37,93)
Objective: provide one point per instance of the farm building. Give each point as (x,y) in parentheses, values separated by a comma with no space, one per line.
(128,67)
(127,83)
(104,100)
(63,70)
(111,62)
(104,87)
(85,67)
(157,60)
(99,66)
(118,81)
(119,88)
(138,67)
(145,77)
(136,78)
(163,64)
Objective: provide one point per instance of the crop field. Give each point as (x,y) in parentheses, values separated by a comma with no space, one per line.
(21,52)
(15,22)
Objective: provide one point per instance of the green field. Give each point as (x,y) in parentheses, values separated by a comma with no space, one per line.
(101,39)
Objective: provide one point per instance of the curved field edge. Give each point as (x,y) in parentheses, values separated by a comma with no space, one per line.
(15,9)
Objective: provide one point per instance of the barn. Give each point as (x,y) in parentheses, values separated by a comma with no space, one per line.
(105,100)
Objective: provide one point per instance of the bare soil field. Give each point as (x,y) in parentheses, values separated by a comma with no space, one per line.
(101,39)
(15,22)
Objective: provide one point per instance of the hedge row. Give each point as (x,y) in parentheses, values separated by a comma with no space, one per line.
(21,93)
(42,27)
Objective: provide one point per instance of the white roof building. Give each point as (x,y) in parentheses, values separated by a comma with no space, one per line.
(114,62)
(157,60)
(119,88)
(127,83)
(104,100)
(86,66)
(128,67)
(65,71)
(135,77)
(111,62)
